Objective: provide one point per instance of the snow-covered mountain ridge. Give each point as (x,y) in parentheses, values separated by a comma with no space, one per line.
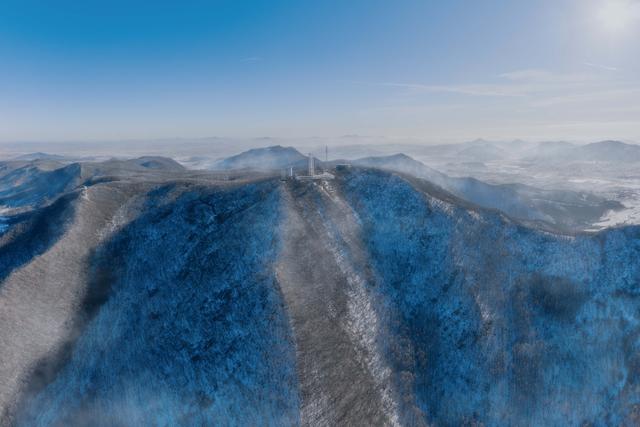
(190,298)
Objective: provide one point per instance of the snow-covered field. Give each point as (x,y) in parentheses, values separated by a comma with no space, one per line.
(615,181)
(630,215)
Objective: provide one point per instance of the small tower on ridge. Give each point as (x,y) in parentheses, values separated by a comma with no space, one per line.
(312,170)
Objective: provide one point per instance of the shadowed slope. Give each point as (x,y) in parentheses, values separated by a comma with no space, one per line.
(502,325)
(29,185)
(39,296)
(33,233)
(190,328)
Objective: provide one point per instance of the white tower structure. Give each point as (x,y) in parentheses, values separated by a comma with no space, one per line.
(312,170)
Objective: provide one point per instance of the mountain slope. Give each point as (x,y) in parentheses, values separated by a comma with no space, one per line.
(275,157)
(30,185)
(39,156)
(372,299)
(40,293)
(611,151)
(156,162)
(322,275)
(566,211)
(500,324)
(168,295)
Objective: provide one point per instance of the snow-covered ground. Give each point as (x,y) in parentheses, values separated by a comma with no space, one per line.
(630,215)
(615,181)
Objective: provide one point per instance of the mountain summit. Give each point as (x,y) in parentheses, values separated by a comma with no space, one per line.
(269,158)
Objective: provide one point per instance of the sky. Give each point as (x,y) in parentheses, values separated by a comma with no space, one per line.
(427,70)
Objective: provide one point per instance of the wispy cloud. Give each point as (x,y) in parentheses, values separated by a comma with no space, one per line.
(539,76)
(518,83)
(251,59)
(601,97)
(468,89)
(525,83)
(517,102)
(600,66)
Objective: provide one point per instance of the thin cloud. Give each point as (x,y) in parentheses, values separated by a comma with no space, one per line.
(529,75)
(513,84)
(601,97)
(519,83)
(496,90)
(539,76)
(251,59)
(600,66)
(526,97)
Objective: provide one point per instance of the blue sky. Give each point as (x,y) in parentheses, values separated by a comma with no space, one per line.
(429,70)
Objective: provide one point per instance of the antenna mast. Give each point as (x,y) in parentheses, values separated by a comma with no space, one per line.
(312,171)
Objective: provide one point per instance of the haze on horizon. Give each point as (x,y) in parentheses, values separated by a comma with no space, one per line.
(565,69)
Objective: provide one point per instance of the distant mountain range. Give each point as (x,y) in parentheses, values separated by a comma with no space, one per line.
(565,211)
(495,151)
(611,151)
(39,156)
(603,151)
(26,184)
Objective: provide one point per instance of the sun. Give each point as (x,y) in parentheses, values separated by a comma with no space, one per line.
(615,15)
